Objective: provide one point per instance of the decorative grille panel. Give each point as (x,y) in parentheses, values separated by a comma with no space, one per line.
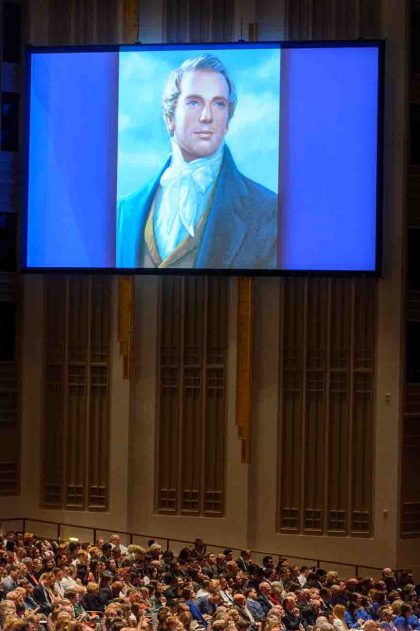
(191,400)
(326,415)
(76,432)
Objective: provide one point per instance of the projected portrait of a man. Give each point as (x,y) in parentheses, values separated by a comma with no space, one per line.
(199,211)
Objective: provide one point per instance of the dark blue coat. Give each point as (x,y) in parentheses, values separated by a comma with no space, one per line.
(241,230)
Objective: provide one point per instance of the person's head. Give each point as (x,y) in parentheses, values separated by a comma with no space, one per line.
(71,595)
(331,577)
(112,565)
(304,595)
(240,600)
(58,574)
(28,563)
(47,579)
(289,603)
(14,572)
(386,613)
(198,102)
(37,564)
(115,540)
(338,612)
(268,561)
(406,610)
(92,588)
(155,551)
(112,612)
(211,558)
(213,585)
(264,588)
(94,552)
(276,612)
(215,598)
(251,592)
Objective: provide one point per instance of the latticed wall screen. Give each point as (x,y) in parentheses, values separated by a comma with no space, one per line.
(326,405)
(199,20)
(410,474)
(191,395)
(77,366)
(10,289)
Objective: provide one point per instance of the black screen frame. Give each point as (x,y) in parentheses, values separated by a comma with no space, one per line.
(380,44)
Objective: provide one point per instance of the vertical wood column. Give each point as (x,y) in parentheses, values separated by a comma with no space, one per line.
(245,324)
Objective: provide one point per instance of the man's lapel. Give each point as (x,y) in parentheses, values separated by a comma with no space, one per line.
(144,208)
(225,230)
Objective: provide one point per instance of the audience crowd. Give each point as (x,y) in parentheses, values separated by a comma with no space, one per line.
(108,586)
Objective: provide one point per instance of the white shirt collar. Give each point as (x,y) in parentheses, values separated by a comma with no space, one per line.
(213,161)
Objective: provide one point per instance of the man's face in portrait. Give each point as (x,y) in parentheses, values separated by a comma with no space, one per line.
(201,115)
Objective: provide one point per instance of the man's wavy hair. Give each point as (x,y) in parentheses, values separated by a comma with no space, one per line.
(173,85)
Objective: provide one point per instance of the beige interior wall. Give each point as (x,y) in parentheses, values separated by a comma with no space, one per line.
(251,490)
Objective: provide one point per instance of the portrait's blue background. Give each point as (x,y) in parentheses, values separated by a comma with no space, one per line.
(253,135)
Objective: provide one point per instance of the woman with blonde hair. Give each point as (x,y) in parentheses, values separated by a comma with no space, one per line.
(338,621)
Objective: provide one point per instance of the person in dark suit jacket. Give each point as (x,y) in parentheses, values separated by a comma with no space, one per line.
(245,613)
(200,211)
(208,604)
(91,600)
(42,593)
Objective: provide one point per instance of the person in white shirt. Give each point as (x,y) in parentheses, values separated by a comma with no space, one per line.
(68,578)
(115,540)
(303,575)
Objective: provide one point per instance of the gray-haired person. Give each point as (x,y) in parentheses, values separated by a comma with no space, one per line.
(200,211)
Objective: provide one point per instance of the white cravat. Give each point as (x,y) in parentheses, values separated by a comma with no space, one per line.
(186,188)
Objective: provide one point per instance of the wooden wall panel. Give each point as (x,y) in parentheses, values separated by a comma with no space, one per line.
(362,405)
(410,473)
(10,289)
(326,405)
(85,22)
(55,359)
(190,21)
(191,395)
(410,502)
(314,417)
(215,395)
(169,392)
(177,20)
(293,336)
(337,412)
(100,335)
(76,419)
(78,309)
(223,19)
(332,19)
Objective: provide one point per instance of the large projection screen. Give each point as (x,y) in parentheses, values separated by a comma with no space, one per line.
(230,158)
